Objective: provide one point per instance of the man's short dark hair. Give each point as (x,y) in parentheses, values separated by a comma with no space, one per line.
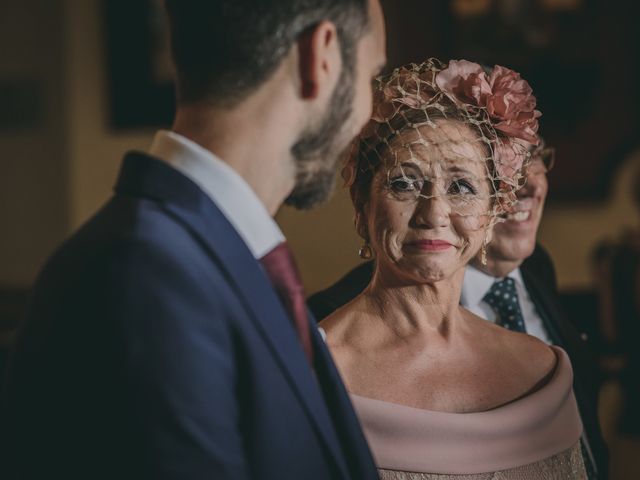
(224,49)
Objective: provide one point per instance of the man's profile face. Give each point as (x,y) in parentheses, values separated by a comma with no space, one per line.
(317,152)
(515,238)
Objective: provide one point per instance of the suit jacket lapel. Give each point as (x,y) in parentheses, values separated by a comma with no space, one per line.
(142,175)
(543,306)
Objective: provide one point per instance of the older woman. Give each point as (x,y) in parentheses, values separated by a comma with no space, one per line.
(440,392)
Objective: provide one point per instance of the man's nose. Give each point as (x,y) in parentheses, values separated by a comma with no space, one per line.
(533,185)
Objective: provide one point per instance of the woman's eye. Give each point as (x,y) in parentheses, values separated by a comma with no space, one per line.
(404,184)
(461,187)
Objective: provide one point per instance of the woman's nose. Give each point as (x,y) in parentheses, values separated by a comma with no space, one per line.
(432,211)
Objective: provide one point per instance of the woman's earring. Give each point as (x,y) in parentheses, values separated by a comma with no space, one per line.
(365,251)
(483,255)
(483,250)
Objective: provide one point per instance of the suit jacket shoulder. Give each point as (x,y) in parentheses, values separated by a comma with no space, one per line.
(164,351)
(540,265)
(327,301)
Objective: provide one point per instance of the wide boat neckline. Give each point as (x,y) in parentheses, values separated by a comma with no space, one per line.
(528,429)
(548,378)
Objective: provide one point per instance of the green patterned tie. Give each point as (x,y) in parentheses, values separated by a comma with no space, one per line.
(503,298)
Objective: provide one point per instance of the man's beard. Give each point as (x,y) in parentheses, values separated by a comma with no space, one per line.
(318,149)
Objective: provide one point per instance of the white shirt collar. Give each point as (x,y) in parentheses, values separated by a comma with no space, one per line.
(228,190)
(476,284)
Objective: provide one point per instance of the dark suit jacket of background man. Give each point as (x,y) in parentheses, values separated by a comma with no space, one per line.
(539,277)
(156,348)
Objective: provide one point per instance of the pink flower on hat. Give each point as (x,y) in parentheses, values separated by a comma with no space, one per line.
(513,104)
(464,82)
(507,98)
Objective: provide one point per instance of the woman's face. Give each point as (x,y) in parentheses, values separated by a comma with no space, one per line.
(429,204)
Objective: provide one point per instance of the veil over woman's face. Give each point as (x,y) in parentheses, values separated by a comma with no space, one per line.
(429,208)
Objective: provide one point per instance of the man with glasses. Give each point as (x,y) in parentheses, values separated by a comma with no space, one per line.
(513,253)
(516,267)
(517,264)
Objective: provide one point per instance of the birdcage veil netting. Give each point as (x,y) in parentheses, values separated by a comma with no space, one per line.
(455,132)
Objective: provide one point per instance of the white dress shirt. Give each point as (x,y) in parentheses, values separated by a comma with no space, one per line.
(228,190)
(475,286)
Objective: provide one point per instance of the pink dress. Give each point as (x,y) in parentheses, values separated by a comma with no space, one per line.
(534,437)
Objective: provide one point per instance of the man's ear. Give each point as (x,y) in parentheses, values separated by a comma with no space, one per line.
(320,61)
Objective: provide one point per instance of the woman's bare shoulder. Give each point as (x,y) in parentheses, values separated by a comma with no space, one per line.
(529,358)
(538,353)
(535,359)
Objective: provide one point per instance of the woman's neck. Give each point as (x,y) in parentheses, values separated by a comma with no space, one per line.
(408,307)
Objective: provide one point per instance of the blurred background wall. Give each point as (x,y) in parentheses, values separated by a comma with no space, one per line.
(61,151)
(34,176)
(66,118)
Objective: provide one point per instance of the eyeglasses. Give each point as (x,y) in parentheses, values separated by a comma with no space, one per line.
(542,161)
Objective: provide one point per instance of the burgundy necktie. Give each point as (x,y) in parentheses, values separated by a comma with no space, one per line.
(283,273)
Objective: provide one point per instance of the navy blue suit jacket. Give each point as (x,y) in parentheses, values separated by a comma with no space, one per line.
(157,348)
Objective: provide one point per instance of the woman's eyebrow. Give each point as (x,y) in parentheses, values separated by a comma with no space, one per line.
(409,164)
(457,169)
(452,168)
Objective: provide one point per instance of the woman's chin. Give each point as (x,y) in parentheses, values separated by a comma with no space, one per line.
(427,273)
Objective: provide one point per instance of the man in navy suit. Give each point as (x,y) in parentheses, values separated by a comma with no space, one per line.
(513,253)
(166,338)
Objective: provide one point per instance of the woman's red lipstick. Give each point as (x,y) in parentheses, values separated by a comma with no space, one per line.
(430,245)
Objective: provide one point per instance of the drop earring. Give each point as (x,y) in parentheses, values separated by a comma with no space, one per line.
(365,251)
(483,250)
